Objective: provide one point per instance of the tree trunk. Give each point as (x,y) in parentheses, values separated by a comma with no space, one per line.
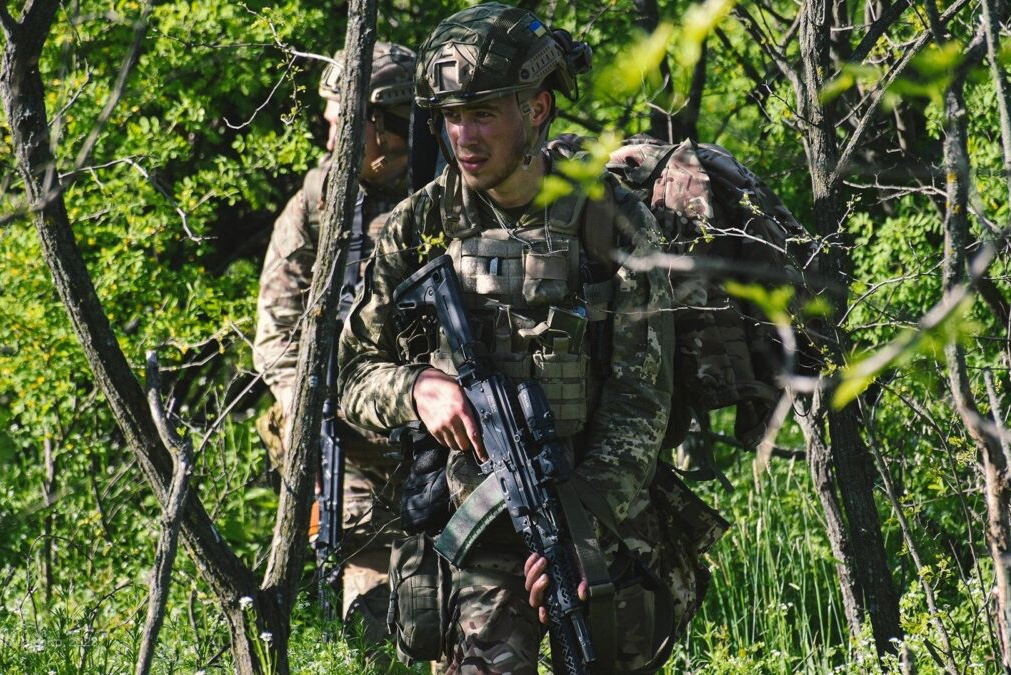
(812,422)
(993,453)
(24,104)
(997,462)
(319,334)
(868,584)
(165,553)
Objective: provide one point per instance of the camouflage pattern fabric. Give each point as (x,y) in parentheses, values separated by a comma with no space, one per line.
(710,206)
(371,524)
(287,275)
(622,433)
(391,86)
(270,427)
(495,630)
(492,50)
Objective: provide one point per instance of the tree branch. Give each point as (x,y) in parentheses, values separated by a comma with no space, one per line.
(777,56)
(872,100)
(139,31)
(948,660)
(284,564)
(7,23)
(991,451)
(36,20)
(991,30)
(876,30)
(161,575)
(24,105)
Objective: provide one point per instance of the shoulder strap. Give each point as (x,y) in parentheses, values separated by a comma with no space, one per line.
(469,520)
(597,231)
(353,261)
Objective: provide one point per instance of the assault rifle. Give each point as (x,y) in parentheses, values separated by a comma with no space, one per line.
(523,449)
(331,448)
(330,497)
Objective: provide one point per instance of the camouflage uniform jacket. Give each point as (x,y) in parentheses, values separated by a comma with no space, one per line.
(287,276)
(623,432)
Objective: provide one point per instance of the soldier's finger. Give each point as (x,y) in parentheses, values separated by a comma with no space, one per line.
(529,563)
(542,615)
(533,568)
(537,591)
(458,436)
(473,432)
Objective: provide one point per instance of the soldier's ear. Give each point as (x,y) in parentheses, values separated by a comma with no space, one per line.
(541,104)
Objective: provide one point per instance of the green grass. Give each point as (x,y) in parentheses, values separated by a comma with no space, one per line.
(774,605)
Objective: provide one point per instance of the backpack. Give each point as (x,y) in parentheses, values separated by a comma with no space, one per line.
(711,208)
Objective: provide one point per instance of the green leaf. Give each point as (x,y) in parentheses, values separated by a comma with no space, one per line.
(774,303)
(860,373)
(696,24)
(638,64)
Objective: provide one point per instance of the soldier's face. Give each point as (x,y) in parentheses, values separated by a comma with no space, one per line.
(380,166)
(332,115)
(489,141)
(383,165)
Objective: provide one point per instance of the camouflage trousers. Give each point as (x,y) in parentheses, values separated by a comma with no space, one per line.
(371,520)
(493,629)
(371,524)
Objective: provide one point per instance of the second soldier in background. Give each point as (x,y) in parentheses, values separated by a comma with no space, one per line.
(370,484)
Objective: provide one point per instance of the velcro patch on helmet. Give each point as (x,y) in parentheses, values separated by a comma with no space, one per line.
(456,68)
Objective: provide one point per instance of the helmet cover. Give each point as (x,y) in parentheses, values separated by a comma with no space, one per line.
(492,50)
(391,86)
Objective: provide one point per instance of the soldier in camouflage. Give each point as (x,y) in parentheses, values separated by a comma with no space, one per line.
(490,72)
(369,485)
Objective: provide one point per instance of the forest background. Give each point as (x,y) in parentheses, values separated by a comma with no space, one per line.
(147,148)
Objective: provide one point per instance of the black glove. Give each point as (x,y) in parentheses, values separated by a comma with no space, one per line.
(424,504)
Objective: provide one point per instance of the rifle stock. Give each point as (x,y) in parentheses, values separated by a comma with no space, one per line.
(524,453)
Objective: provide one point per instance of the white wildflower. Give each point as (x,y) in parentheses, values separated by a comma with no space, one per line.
(267,637)
(245,602)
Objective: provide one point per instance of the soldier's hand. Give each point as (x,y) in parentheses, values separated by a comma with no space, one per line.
(446,413)
(535,572)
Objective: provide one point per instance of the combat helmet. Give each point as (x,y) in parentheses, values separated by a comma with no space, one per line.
(494,50)
(391,86)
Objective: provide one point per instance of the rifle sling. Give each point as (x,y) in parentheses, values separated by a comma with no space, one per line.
(353,261)
(601,589)
(663,629)
(486,502)
(470,520)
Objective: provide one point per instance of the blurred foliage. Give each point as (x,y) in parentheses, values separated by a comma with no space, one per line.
(172,211)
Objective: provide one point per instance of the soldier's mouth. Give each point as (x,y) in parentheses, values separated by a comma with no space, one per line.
(471,164)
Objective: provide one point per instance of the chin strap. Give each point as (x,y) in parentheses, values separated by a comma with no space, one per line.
(434,127)
(539,140)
